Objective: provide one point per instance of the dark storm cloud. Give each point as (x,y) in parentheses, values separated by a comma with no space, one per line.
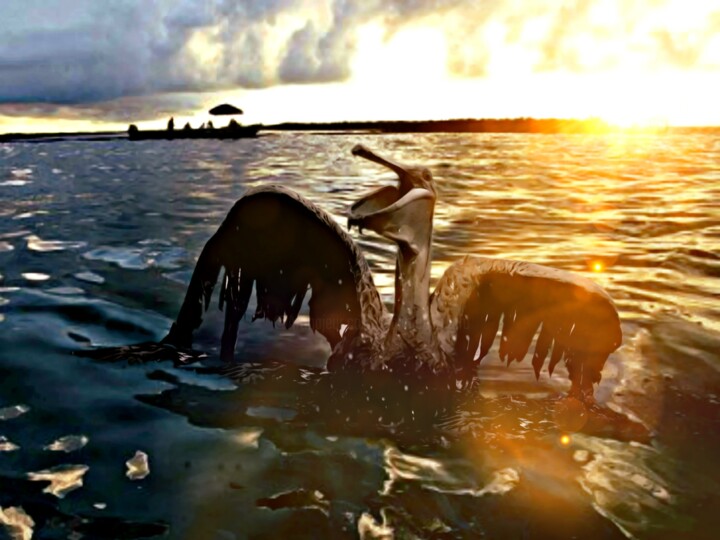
(72,52)
(312,55)
(80,51)
(305,62)
(84,51)
(121,110)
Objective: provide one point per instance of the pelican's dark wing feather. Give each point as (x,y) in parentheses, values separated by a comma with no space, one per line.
(286,248)
(575,317)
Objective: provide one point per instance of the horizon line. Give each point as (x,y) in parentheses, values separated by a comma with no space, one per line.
(305,125)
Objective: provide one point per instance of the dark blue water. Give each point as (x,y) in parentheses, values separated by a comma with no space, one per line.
(97,243)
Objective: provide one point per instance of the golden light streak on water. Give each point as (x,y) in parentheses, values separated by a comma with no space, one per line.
(641,206)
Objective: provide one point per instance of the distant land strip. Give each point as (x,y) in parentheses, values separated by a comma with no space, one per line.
(486,125)
(63,136)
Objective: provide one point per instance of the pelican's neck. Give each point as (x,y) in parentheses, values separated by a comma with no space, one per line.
(411,315)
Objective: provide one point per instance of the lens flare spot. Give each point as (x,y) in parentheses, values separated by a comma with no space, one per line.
(35,276)
(565,440)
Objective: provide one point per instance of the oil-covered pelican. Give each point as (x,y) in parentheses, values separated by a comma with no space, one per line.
(285,247)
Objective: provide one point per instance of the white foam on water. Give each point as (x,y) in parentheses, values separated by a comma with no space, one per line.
(90,277)
(142,258)
(35,243)
(68,443)
(15,183)
(626,484)
(447,476)
(280,414)
(248,437)
(63,479)
(138,466)
(370,529)
(35,276)
(18,524)
(7,446)
(8,413)
(22,173)
(66,291)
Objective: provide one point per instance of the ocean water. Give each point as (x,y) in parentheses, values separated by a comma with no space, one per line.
(98,241)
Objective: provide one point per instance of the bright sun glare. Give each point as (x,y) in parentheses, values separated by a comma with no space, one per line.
(404,69)
(416,54)
(410,70)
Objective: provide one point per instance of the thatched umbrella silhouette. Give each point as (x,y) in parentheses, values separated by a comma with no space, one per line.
(225,110)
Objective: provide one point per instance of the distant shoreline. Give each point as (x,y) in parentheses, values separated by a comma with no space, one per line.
(486,125)
(63,136)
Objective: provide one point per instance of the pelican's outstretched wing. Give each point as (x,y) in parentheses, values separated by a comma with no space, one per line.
(283,245)
(576,317)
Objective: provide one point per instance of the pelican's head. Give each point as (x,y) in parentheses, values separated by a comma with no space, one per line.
(402,213)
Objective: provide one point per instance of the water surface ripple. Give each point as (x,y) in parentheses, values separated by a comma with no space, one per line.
(98,241)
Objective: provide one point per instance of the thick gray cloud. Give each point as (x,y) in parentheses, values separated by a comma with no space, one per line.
(80,51)
(100,57)
(121,110)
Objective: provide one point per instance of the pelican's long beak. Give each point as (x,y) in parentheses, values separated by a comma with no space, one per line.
(364,152)
(399,213)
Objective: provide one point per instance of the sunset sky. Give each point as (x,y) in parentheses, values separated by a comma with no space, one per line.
(69,65)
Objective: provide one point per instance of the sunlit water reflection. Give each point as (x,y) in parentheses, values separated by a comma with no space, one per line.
(97,243)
